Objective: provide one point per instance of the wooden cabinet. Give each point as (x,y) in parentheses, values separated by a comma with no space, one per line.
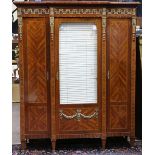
(77,69)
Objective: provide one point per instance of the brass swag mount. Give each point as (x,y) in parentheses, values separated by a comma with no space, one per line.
(78,115)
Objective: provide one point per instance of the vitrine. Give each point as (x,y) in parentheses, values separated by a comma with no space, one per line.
(77,69)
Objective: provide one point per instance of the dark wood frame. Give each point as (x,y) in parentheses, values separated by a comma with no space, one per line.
(103,11)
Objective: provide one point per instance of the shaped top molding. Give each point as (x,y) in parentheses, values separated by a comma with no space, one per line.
(74,3)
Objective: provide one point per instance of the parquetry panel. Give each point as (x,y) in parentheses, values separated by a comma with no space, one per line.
(119,51)
(118,117)
(37,118)
(36,61)
(119,35)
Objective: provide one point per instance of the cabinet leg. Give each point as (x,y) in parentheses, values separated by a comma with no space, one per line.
(23,144)
(126,138)
(132,141)
(53,143)
(103,143)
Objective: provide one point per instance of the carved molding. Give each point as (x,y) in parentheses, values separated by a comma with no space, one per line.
(27,11)
(133,76)
(51,11)
(77,11)
(52,24)
(101,11)
(104,12)
(52,27)
(134,22)
(104,21)
(78,115)
(20,25)
(103,24)
(60,11)
(134,29)
(121,11)
(134,12)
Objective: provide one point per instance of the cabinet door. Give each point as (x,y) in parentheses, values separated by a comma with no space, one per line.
(118,33)
(78,82)
(35,45)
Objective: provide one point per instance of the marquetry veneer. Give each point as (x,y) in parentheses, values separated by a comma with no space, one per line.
(41,114)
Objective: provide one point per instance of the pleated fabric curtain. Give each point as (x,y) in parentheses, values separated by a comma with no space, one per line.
(78,63)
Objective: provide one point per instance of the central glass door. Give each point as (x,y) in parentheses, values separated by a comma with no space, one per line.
(78,63)
(78,75)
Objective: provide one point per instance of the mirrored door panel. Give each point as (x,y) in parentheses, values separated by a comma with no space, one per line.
(78,63)
(78,73)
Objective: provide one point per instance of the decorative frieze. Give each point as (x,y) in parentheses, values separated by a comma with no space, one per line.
(121,11)
(103,12)
(60,11)
(77,11)
(32,11)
